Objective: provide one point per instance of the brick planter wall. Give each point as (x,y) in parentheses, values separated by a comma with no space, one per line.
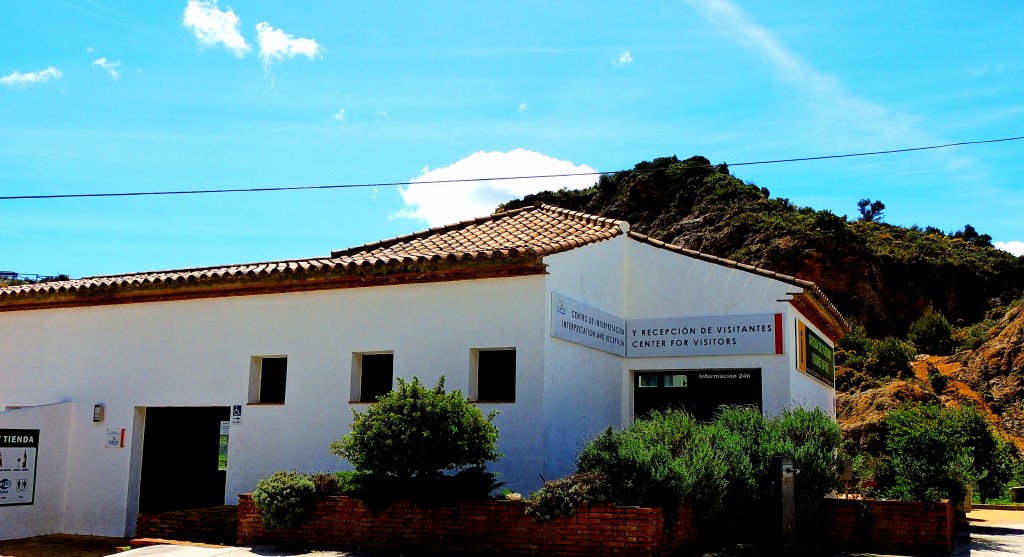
(491,526)
(210,525)
(899,526)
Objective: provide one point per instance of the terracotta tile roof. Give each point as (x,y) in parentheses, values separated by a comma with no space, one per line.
(526,234)
(531,232)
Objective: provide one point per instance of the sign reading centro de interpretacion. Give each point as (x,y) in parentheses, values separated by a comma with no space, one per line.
(580,323)
(18,449)
(719,335)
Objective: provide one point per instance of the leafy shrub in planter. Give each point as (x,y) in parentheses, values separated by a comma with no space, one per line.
(563,496)
(284,498)
(326,484)
(660,460)
(724,468)
(414,431)
(419,443)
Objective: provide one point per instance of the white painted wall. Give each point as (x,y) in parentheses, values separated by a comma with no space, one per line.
(583,387)
(667,284)
(588,390)
(197,353)
(45,514)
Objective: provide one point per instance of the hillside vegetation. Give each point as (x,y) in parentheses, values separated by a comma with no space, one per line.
(938,316)
(879,275)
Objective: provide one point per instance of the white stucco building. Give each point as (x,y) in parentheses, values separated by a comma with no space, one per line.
(115,389)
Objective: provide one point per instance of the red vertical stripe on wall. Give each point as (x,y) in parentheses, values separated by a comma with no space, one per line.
(778,333)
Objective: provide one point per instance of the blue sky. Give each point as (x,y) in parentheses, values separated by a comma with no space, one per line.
(124,96)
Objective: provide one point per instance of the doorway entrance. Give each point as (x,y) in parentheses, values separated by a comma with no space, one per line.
(698,391)
(180,459)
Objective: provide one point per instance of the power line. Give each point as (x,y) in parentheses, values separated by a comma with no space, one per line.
(463,180)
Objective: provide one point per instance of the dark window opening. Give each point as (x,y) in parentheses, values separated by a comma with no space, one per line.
(496,376)
(377,376)
(701,392)
(273,377)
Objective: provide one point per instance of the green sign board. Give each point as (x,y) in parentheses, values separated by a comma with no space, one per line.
(814,356)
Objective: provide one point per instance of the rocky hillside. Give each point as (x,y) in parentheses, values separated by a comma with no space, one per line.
(879,275)
(996,369)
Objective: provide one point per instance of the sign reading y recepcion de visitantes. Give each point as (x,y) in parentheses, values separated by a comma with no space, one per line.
(581,323)
(577,322)
(18,466)
(722,335)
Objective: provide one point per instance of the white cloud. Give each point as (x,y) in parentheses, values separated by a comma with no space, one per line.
(522,107)
(339,115)
(447,203)
(382,113)
(18,79)
(624,59)
(1015,247)
(277,45)
(110,66)
(212,26)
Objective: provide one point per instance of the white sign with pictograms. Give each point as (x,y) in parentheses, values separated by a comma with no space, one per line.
(18,453)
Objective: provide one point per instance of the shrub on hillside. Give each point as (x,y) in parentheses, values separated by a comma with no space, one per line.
(890,357)
(932,334)
(933,453)
(938,381)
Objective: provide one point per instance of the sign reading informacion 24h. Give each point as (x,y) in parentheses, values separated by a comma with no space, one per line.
(18,451)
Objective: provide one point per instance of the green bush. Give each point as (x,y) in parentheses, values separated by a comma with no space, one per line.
(422,444)
(890,357)
(284,498)
(563,496)
(416,432)
(660,460)
(934,453)
(932,334)
(937,379)
(810,436)
(326,484)
(724,468)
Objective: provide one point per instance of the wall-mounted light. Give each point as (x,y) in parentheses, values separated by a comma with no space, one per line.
(97,414)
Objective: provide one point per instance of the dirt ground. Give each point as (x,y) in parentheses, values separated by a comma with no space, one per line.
(62,545)
(992,517)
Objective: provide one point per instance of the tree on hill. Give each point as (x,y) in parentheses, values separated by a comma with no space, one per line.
(870,211)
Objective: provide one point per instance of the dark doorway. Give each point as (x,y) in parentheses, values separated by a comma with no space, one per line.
(180,459)
(698,391)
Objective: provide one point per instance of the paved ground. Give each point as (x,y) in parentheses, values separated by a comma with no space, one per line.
(993,533)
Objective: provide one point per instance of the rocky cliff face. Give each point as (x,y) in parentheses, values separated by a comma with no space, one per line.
(996,369)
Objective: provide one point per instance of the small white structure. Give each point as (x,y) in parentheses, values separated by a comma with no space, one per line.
(177,389)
